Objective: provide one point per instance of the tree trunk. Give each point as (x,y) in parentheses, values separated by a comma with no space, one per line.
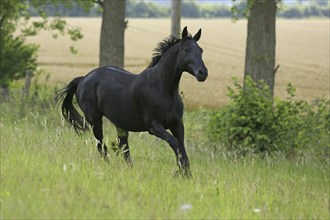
(175,18)
(112,33)
(260,46)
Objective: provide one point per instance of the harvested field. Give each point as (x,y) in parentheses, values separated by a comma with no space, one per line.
(302,53)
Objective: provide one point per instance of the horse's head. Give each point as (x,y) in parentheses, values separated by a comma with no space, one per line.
(190,56)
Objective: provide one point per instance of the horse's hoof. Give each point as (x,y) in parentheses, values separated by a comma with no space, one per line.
(183,173)
(130,163)
(107,159)
(177,173)
(187,174)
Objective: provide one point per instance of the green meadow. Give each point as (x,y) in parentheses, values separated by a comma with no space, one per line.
(47,172)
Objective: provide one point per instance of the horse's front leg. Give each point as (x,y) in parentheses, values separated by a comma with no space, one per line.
(158,130)
(183,161)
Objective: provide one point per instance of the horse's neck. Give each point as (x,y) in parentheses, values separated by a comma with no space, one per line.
(168,70)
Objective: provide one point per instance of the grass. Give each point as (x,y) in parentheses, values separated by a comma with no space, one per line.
(302,51)
(48,172)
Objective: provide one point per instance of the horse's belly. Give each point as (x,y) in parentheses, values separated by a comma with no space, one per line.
(127,120)
(129,125)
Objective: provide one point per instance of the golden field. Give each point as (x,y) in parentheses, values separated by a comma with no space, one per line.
(302,51)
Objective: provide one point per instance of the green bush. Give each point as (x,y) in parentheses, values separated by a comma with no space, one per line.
(256,121)
(39,101)
(16,56)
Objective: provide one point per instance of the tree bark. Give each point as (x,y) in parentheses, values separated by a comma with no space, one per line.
(112,33)
(261,40)
(176,18)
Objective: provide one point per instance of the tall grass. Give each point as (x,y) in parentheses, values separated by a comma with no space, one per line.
(48,172)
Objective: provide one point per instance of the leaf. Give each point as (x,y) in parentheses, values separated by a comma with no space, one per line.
(73,50)
(291,90)
(75,34)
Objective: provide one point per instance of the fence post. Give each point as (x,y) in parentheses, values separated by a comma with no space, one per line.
(28,78)
(5,96)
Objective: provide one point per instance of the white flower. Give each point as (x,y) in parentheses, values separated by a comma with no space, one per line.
(185,207)
(64,168)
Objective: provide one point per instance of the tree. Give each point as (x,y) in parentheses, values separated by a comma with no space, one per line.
(16,56)
(322,2)
(14,17)
(190,9)
(261,40)
(175,18)
(112,33)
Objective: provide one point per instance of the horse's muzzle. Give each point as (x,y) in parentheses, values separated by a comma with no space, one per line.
(201,75)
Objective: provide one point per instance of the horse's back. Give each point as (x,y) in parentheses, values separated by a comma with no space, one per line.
(109,74)
(109,91)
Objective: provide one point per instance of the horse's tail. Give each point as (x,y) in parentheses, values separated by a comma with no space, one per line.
(69,112)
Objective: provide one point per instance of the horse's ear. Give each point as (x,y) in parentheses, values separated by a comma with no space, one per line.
(184,32)
(198,35)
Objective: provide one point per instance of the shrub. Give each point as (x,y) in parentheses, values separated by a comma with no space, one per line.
(39,100)
(256,121)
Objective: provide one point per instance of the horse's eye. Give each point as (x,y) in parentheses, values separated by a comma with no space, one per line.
(187,50)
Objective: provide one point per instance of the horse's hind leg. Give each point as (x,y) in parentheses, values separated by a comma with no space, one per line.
(123,144)
(98,133)
(87,103)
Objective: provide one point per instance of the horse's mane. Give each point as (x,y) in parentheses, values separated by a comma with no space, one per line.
(162,47)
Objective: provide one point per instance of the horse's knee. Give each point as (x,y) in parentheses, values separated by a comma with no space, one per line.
(174,143)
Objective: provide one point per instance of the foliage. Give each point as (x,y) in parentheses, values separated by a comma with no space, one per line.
(302,11)
(252,122)
(145,9)
(39,100)
(16,55)
(190,9)
(64,8)
(11,45)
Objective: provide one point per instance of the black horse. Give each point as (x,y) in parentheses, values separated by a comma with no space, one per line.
(149,101)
